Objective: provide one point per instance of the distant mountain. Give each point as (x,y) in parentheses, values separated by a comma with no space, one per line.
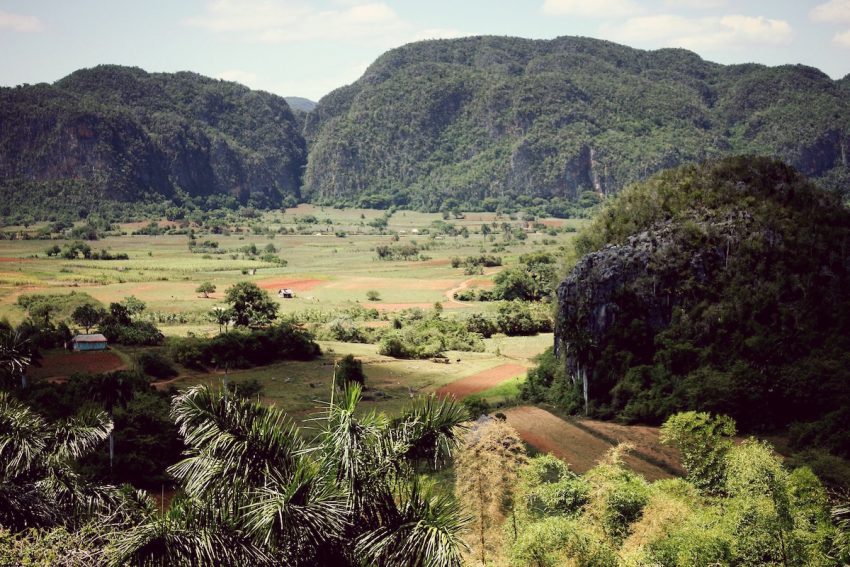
(302,104)
(119,133)
(484,120)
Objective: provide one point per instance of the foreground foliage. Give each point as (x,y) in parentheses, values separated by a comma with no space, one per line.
(759,514)
(251,490)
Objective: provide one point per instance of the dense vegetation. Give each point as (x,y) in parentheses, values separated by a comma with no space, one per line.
(120,134)
(481,122)
(719,287)
(746,509)
(473,123)
(250,491)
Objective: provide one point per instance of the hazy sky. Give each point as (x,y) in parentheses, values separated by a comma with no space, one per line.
(308,48)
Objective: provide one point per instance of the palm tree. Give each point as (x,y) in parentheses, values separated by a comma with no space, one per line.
(15,354)
(375,460)
(110,390)
(255,493)
(39,485)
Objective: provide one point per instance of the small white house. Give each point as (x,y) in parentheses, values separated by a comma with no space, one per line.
(286,293)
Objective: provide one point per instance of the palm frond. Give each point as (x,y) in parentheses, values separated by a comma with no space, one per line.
(231,440)
(15,353)
(306,510)
(76,437)
(431,428)
(187,534)
(427,534)
(23,437)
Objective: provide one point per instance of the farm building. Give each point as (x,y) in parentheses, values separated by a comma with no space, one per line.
(286,293)
(89,342)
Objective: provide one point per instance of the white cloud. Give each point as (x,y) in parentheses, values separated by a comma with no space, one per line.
(296,21)
(591,8)
(727,32)
(834,11)
(842,39)
(697,4)
(19,22)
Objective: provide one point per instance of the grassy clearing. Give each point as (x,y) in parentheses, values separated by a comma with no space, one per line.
(504,392)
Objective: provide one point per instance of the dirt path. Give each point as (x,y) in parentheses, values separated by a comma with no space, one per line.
(450,293)
(481,381)
(550,434)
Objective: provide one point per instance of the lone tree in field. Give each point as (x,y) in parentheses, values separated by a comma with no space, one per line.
(206,288)
(349,369)
(87,316)
(251,306)
(373,295)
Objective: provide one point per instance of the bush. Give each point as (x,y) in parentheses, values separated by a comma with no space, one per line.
(154,364)
(136,333)
(244,349)
(428,338)
(481,324)
(348,370)
(373,295)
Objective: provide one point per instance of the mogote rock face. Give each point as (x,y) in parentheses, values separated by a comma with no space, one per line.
(633,288)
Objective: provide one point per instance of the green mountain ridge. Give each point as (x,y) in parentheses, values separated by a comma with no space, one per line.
(473,123)
(124,134)
(498,118)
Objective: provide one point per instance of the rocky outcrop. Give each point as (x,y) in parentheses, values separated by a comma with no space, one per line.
(721,287)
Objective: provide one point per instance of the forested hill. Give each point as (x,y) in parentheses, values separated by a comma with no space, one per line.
(123,134)
(497,117)
(721,287)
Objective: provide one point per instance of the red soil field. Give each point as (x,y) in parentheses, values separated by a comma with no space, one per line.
(582,451)
(295,285)
(9,259)
(481,381)
(401,306)
(63,364)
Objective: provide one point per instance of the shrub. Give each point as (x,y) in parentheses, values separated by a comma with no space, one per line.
(373,295)
(154,364)
(243,349)
(348,370)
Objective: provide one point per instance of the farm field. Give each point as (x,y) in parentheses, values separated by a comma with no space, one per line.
(325,271)
(331,265)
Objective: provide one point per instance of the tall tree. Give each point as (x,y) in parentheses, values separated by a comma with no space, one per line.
(39,485)
(87,316)
(110,390)
(254,493)
(250,305)
(15,355)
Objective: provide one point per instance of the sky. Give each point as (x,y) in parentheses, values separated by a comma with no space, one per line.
(308,48)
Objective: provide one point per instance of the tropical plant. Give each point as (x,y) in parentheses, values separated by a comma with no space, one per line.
(256,494)
(110,390)
(39,484)
(15,355)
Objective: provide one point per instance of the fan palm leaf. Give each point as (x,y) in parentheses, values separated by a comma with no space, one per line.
(427,534)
